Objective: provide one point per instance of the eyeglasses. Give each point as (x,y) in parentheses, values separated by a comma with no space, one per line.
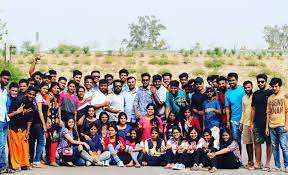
(96,76)
(145,80)
(260,82)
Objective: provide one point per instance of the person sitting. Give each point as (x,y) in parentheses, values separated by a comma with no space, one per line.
(134,147)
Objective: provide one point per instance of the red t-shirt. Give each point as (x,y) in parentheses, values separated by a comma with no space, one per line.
(107,142)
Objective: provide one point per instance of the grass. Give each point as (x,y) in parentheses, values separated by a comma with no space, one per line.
(44,61)
(76,61)
(131,70)
(163,61)
(214,63)
(98,54)
(198,72)
(20,61)
(253,74)
(252,63)
(142,69)
(131,61)
(108,60)
(186,60)
(63,63)
(87,62)
(164,70)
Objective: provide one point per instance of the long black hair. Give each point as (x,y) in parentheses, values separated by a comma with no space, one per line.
(225,144)
(87,109)
(91,125)
(159,140)
(75,132)
(154,119)
(138,138)
(101,122)
(188,137)
(211,142)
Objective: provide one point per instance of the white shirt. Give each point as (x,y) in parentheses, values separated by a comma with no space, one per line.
(3,108)
(161,92)
(98,98)
(116,102)
(89,93)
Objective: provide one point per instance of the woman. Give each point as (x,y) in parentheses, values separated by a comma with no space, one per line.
(190,121)
(228,156)
(205,145)
(83,104)
(174,147)
(134,146)
(149,121)
(171,122)
(38,129)
(116,146)
(154,149)
(53,124)
(123,127)
(71,149)
(186,159)
(103,124)
(90,117)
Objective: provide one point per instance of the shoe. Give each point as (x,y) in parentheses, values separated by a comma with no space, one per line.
(175,167)
(213,170)
(274,169)
(54,164)
(265,168)
(70,164)
(181,166)
(100,163)
(88,163)
(7,170)
(106,163)
(286,170)
(26,168)
(194,167)
(120,164)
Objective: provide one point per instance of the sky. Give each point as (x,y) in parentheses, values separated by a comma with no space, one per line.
(103,24)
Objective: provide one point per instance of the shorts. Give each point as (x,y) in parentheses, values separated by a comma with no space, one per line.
(260,137)
(247,135)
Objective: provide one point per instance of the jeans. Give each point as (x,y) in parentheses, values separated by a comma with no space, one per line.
(111,149)
(4,126)
(134,154)
(36,133)
(236,133)
(278,137)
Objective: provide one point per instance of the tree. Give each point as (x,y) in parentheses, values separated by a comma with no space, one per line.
(276,36)
(3,30)
(145,34)
(28,47)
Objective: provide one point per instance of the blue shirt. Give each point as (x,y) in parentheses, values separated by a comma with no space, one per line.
(95,144)
(142,99)
(211,118)
(172,101)
(233,99)
(123,132)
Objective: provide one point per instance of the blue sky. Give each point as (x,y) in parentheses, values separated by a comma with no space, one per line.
(103,24)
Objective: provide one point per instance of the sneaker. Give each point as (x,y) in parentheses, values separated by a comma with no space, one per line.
(274,169)
(213,170)
(106,163)
(175,167)
(120,164)
(181,166)
(7,170)
(88,163)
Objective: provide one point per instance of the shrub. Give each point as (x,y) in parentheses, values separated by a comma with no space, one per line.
(252,63)
(141,69)
(164,70)
(108,60)
(86,50)
(131,70)
(198,72)
(109,52)
(63,63)
(131,61)
(98,54)
(67,48)
(230,62)
(142,54)
(214,63)
(76,61)
(163,61)
(16,73)
(186,60)
(253,73)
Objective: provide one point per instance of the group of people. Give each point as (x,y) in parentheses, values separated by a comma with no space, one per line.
(48,120)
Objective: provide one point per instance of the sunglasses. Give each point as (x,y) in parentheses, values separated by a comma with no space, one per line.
(261,82)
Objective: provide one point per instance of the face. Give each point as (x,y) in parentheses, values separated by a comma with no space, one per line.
(103,88)
(157,83)
(214,83)
(133,135)
(77,78)
(210,93)
(31,83)
(70,123)
(275,88)
(248,88)
(154,135)
(184,81)
(4,80)
(193,134)
(53,77)
(145,81)
(71,87)
(55,90)
(88,84)
(23,87)
(13,92)
(222,85)
(123,77)
(104,118)
(80,93)
(207,136)
(44,90)
(91,112)
(174,90)
(38,79)
(117,88)
(261,83)
(131,83)
(31,95)
(232,82)
(150,111)
(225,136)
(93,131)
(176,134)
(62,84)
(199,86)
(122,120)
(172,117)
(96,77)
(166,80)
(112,131)
(109,80)
(187,113)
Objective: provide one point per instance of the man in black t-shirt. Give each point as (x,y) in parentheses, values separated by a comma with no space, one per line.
(258,121)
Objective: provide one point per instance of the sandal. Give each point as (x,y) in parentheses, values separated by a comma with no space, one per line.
(194,167)
(213,170)
(54,164)
(7,170)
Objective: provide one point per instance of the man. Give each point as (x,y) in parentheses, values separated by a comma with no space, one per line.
(233,103)
(197,99)
(23,86)
(116,101)
(123,75)
(21,115)
(4,120)
(277,123)
(183,78)
(175,100)
(88,84)
(77,76)
(245,122)
(143,96)
(99,98)
(166,80)
(47,78)
(62,83)
(214,81)
(222,88)
(37,76)
(159,95)
(109,79)
(12,95)
(258,121)
(129,97)
(96,77)
(53,75)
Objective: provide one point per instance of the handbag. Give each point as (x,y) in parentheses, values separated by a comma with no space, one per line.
(68,151)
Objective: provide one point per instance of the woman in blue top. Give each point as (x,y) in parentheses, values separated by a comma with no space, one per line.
(122,126)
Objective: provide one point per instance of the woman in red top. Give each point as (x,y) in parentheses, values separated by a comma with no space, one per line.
(190,121)
(115,145)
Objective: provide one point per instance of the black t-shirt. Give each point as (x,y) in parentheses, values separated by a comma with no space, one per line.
(20,121)
(259,101)
(197,101)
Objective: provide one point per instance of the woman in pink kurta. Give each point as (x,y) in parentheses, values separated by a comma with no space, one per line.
(148,121)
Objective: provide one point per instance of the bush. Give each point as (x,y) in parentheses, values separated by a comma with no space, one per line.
(198,72)
(131,70)
(252,63)
(141,69)
(86,50)
(63,63)
(16,73)
(98,54)
(163,61)
(66,48)
(131,61)
(253,73)
(108,60)
(214,63)
(164,70)
(186,60)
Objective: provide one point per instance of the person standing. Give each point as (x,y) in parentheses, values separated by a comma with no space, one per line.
(123,75)
(129,97)
(99,98)
(277,123)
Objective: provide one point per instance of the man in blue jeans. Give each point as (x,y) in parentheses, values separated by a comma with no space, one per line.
(233,103)
(4,120)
